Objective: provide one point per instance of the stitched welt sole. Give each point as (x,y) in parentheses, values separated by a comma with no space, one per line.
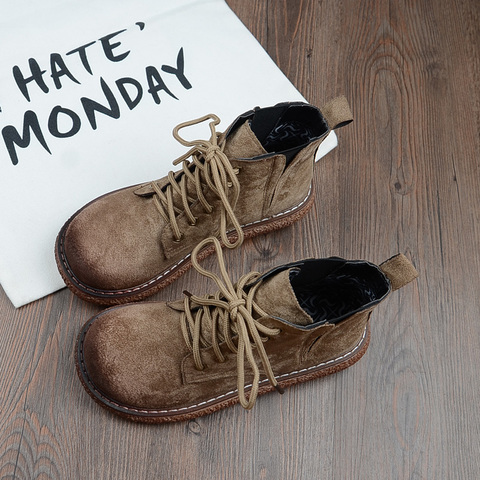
(222,401)
(164,279)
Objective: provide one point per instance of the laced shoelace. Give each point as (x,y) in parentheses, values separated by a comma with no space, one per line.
(210,166)
(229,314)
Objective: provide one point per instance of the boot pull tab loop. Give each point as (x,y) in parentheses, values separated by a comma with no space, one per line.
(399,270)
(337,113)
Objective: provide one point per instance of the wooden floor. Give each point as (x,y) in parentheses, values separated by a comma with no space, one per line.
(405,178)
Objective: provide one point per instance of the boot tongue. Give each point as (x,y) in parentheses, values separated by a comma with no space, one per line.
(243,143)
(276,296)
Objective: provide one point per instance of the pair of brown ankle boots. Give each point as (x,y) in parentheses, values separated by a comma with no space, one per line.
(161,362)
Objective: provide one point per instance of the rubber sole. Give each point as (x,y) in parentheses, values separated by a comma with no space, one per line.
(165,278)
(220,402)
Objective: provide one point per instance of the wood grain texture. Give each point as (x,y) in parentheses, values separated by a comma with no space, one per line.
(406,178)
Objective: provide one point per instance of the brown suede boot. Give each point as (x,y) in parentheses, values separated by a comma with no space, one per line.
(163,362)
(254,178)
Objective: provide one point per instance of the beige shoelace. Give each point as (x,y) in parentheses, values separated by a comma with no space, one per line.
(209,166)
(229,316)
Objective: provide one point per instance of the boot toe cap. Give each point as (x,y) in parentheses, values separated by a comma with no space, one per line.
(111,245)
(128,355)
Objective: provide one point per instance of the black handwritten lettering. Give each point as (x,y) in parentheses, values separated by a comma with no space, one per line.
(64,122)
(82,51)
(56,60)
(37,76)
(156,84)
(58,67)
(179,70)
(11,136)
(91,106)
(131,103)
(109,47)
(53,122)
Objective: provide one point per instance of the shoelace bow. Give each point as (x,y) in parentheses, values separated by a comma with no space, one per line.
(229,315)
(209,166)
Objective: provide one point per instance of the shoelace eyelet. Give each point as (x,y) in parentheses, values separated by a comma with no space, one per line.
(178,240)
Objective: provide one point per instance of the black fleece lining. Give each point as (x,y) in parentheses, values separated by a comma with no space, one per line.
(333,296)
(288,135)
(288,126)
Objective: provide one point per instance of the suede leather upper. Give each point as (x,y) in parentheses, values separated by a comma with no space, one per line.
(120,242)
(136,355)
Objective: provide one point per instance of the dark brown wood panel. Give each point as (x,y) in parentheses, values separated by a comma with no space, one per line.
(406,178)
